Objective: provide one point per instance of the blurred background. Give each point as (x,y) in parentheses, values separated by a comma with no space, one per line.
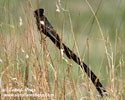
(93,29)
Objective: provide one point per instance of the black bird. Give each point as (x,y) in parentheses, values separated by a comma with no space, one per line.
(45,27)
(41,19)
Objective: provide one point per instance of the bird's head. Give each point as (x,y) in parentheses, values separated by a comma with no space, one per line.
(38,12)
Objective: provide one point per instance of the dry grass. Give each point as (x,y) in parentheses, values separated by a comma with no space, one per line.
(29,65)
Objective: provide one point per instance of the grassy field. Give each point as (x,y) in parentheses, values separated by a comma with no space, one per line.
(93,29)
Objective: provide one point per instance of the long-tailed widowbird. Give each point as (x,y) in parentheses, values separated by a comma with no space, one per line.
(46,28)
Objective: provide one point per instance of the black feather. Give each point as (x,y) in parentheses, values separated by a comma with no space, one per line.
(39,14)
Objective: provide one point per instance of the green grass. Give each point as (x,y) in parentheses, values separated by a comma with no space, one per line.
(25,62)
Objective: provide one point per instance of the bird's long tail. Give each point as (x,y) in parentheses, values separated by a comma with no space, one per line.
(51,33)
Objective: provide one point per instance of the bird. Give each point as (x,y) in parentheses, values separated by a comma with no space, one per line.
(46,28)
(41,19)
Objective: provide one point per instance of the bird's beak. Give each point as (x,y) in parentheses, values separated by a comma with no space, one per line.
(34,14)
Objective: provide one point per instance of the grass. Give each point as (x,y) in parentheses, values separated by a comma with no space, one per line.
(35,67)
